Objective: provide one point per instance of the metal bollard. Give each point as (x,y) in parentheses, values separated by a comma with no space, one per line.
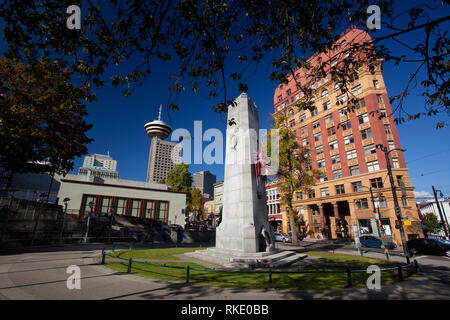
(187,274)
(103,256)
(400,274)
(362,253)
(349,278)
(130,261)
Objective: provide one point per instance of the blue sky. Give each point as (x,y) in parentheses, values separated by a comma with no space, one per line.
(119,122)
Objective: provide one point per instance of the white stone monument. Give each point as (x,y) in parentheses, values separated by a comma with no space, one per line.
(244,238)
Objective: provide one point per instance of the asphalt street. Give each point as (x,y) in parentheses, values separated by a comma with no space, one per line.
(42,274)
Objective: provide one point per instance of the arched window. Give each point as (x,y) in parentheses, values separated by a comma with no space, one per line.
(338,86)
(324,93)
(291,112)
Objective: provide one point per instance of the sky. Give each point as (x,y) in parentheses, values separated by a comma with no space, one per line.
(119,122)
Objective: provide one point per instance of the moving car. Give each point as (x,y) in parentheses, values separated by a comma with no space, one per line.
(429,246)
(374,242)
(281,237)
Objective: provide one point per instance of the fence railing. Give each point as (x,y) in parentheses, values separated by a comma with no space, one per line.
(414,266)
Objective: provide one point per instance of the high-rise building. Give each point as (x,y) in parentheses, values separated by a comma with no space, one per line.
(205,180)
(160,160)
(162,156)
(354,196)
(99,165)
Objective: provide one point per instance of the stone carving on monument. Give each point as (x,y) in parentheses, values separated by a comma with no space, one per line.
(245,237)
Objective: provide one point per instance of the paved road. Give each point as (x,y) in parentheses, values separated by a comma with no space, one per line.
(41,274)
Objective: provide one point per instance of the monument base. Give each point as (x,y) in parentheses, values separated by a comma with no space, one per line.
(242,260)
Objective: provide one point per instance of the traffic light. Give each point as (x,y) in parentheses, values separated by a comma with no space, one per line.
(397,224)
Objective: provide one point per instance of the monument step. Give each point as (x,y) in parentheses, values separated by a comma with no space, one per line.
(288,260)
(264,260)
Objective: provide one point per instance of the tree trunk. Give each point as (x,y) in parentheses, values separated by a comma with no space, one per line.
(293,227)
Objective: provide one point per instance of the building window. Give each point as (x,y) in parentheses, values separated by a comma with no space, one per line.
(316,124)
(87,200)
(380,202)
(324,192)
(135,206)
(299,195)
(321,163)
(292,123)
(323,179)
(354,170)
(376,84)
(329,118)
(149,209)
(311,194)
(380,98)
(395,163)
(405,201)
(351,154)
(348,139)
(335,159)
(305,142)
(341,99)
(319,150)
(324,93)
(288,92)
(343,112)
(365,227)
(280,98)
(360,104)
(291,112)
(121,206)
(338,86)
(357,90)
(376,183)
(373,166)
(304,130)
(391,145)
(366,133)
(369,149)
(340,189)
(334,62)
(357,186)
(314,112)
(318,136)
(346,125)
(302,117)
(363,118)
(361,204)
(387,129)
(333,145)
(337,174)
(326,105)
(331,131)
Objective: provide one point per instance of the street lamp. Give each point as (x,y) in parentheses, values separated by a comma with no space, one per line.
(435,191)
(66,202)
(398,212)
(91,205)
(41,200)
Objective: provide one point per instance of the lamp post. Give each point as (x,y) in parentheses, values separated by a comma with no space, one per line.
(91,205)
(111,219)
(398,211)
(439,209)
(376,215)
(41,200)
(66,202)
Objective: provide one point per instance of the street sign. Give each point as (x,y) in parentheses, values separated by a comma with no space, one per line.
(406,223)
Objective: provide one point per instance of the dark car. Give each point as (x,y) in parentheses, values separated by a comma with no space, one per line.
(374,242)
(429,246)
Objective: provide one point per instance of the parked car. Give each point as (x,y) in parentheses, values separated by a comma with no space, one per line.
(374,242)
(429,246)
(282,237)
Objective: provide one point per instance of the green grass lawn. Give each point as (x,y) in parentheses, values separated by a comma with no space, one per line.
(293,281)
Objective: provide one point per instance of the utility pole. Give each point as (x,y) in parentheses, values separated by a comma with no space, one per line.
(440,211)
(398,211)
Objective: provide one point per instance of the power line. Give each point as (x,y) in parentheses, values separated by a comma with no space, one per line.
(429,155)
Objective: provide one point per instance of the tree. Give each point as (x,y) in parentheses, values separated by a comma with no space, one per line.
(196,205)
(217,42)
(179,178)
(431,221)
(41,117)
(294,170)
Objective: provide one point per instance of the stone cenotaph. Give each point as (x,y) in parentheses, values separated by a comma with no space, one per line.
(244,238)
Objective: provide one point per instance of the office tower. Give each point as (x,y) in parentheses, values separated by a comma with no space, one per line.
(205,180)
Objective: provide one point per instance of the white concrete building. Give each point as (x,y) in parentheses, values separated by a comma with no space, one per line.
(123,197)
(431,207)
